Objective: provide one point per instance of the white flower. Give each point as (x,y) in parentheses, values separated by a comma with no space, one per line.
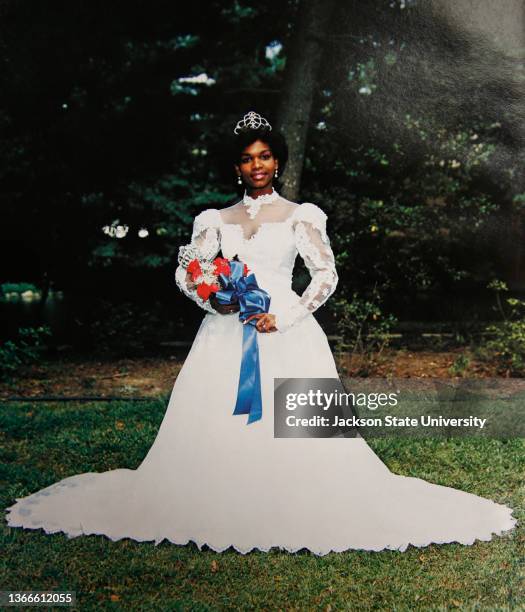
(121,231)
(201,78)
(208,276)
(143,232)
(273,49)
(365,90)
(116,229)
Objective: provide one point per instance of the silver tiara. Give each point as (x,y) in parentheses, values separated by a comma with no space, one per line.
(253,121)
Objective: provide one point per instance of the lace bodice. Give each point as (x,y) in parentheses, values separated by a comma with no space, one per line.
(268,244)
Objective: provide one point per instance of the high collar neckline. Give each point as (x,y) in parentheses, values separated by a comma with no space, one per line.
(254,204)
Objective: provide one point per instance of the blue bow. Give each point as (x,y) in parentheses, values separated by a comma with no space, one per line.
(252,300)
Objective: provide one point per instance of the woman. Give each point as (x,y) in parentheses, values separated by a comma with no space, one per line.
(217,479)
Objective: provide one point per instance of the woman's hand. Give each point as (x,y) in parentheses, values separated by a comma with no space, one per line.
(266,322)
(223,308)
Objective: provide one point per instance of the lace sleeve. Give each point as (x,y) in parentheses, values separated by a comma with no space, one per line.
(204,246)
(313,245)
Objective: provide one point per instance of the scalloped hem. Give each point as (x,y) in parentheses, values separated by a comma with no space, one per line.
(74,533)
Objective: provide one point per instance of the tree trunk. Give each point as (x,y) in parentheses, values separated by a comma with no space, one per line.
(302,65)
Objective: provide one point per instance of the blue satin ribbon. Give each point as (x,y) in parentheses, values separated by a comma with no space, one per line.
(252,300)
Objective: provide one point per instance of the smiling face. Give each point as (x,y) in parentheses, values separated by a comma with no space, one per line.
(257,166)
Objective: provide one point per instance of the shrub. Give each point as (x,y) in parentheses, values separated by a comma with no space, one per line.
(125,327)
(363,328)
(22,349)
(506,343)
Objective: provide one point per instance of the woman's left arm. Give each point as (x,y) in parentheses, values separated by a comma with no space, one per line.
(314,247)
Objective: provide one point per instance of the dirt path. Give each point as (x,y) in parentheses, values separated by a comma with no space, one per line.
(403,363)
(80,377)
(151,376)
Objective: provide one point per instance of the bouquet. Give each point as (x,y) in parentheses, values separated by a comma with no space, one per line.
(207,275)
(233,282)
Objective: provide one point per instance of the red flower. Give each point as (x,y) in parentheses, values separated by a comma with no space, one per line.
(204,290)
(194,268)
(222,266)
(246,270)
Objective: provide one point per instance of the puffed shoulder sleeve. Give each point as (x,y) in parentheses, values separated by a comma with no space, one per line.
(313,244)
(204,246)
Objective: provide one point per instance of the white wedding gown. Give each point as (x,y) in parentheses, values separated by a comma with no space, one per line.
(213,479)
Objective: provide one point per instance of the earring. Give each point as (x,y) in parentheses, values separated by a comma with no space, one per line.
(276,174)
(239,180)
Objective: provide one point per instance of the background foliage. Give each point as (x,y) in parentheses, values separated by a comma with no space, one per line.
(117,116)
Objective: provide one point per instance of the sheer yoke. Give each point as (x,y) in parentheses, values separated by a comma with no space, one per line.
(279,211)
(269,244)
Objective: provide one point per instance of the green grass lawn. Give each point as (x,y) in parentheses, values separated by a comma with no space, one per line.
(42,443)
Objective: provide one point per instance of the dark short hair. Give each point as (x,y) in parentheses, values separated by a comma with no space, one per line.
(246,137)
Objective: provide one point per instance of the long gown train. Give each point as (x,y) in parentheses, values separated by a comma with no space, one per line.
(211,478)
